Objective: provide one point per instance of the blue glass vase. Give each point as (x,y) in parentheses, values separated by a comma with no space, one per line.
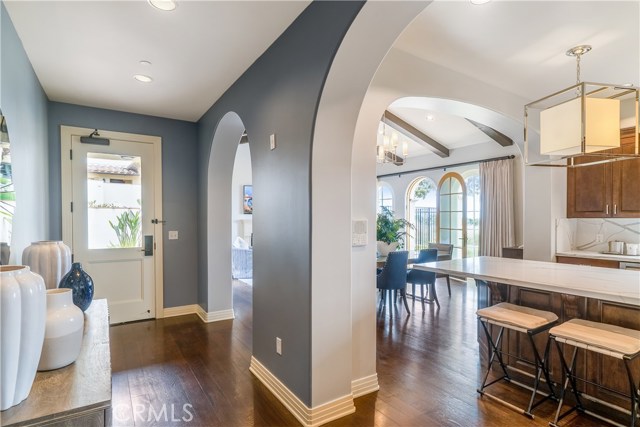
(81,285)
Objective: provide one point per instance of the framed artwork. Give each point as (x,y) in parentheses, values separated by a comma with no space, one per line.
(247,199)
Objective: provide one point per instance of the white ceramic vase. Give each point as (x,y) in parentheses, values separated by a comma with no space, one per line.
(384,248)
(63,333)
(51,259)
(22,319)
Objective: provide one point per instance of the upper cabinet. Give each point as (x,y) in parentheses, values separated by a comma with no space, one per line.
(606,190)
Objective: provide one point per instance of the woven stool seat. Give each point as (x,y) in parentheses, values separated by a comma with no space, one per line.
(599,337)
(515,315)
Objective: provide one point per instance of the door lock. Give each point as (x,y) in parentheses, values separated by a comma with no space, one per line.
(157,221)
(148,246)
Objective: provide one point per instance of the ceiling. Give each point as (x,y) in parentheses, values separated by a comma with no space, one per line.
(520,47)
(86,52)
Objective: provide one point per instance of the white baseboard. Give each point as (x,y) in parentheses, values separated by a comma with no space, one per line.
(309,417)
(365,385)
(207,317)
(180,311)
(214,316)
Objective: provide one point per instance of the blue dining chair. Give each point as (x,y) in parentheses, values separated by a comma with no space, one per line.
(424,278)
(393,277)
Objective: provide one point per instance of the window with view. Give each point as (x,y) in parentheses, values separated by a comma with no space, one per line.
(421,212)
(385,197)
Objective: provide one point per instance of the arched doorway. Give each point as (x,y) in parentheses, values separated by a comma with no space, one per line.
(219,217)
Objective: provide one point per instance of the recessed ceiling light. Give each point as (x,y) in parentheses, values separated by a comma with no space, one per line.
(142,78)
(479,1)
(430,117)
(166,5)
(145,63)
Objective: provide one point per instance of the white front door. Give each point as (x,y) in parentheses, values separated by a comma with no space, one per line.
(113,212)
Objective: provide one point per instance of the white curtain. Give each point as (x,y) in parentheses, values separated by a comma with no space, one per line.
(497,229)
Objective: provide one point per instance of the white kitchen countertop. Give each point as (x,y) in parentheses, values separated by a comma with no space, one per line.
(600,255)
(606,284)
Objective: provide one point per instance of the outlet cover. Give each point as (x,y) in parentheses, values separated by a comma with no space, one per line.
(272,141)
(279,346)
(173,235)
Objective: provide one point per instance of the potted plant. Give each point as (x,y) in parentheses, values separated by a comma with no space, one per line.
(390,231)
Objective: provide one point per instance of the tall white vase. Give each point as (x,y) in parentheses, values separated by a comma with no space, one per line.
(63,332)
(51,259)
(22,319)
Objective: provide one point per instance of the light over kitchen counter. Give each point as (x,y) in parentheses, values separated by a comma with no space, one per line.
(622,286)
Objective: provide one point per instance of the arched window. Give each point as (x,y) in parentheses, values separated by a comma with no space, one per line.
(452,213)
(472,182)
(385,197)
(421,212)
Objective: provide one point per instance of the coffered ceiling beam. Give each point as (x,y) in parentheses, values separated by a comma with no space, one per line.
(498,137)
(410,132)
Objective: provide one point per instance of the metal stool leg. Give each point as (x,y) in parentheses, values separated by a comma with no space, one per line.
(569,379)
(541,368)
(634,393)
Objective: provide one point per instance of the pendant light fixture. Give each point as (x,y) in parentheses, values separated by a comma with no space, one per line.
(582,121)
(389,141)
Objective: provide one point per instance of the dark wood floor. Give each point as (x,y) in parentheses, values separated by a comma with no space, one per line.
(181,371)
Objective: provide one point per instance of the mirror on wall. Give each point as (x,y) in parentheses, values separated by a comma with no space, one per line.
(7,193)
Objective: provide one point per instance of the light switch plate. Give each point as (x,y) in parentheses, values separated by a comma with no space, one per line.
(272,141)
(173,235)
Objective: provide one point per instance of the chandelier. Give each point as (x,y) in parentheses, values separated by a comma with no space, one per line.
(581,125)
(389,143)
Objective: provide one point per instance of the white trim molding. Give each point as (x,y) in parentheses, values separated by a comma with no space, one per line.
(180,310)
(215,316)
(365,385)
(309,417)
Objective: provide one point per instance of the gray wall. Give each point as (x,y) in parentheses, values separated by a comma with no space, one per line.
(279,94)
(24,104)
(179,182)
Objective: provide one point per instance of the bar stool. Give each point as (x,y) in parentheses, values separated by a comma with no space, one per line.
(530,322)
(609,340)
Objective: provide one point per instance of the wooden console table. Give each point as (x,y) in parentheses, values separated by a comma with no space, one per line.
(78,394)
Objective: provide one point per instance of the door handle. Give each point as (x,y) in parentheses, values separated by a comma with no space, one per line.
(148,246)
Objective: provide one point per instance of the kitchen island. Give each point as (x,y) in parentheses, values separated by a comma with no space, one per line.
(570,291)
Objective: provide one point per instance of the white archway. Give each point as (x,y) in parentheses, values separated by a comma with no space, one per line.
(220,171)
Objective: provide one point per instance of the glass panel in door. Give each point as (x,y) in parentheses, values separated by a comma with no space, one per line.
(114,195)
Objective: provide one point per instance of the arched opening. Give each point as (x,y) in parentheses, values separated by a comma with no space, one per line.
(242,216)
(220,196)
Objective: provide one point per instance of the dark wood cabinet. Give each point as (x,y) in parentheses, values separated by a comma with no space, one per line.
(512,252)
(606,190)
(594,262)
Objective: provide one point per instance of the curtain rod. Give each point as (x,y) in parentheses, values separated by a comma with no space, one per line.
(473,162)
